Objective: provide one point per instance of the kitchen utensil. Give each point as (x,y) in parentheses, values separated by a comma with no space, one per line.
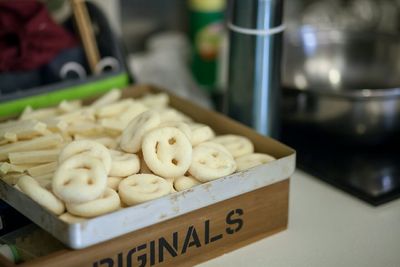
(254,69)
(86,33)
(346,83)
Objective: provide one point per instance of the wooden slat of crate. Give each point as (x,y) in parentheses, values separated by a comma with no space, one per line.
(261,213)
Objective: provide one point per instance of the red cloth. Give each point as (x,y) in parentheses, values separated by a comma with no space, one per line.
(29,38)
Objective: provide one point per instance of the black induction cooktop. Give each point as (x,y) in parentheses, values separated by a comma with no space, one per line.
(368,172)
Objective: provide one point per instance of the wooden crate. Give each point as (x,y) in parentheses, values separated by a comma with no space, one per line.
(189,239)
(201,234)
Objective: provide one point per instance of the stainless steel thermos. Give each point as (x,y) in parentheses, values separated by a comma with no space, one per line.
(255,63)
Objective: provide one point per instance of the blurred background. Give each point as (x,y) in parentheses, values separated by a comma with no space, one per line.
(338,87)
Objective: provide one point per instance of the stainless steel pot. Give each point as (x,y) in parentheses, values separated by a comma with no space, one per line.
(343,82)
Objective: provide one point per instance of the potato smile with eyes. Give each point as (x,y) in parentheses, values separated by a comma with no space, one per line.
(167,152)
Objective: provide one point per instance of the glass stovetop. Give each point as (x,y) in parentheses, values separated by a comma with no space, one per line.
(371,173)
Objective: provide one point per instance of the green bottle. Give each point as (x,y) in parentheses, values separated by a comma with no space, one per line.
(206,31)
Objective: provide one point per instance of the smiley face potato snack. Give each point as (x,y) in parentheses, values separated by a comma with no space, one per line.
(79,162)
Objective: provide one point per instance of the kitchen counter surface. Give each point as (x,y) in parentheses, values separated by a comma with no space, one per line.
(327,227)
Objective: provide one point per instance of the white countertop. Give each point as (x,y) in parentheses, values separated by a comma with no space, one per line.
(327,227)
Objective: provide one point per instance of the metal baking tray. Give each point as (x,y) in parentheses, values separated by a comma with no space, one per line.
(96,230)
(108,226)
